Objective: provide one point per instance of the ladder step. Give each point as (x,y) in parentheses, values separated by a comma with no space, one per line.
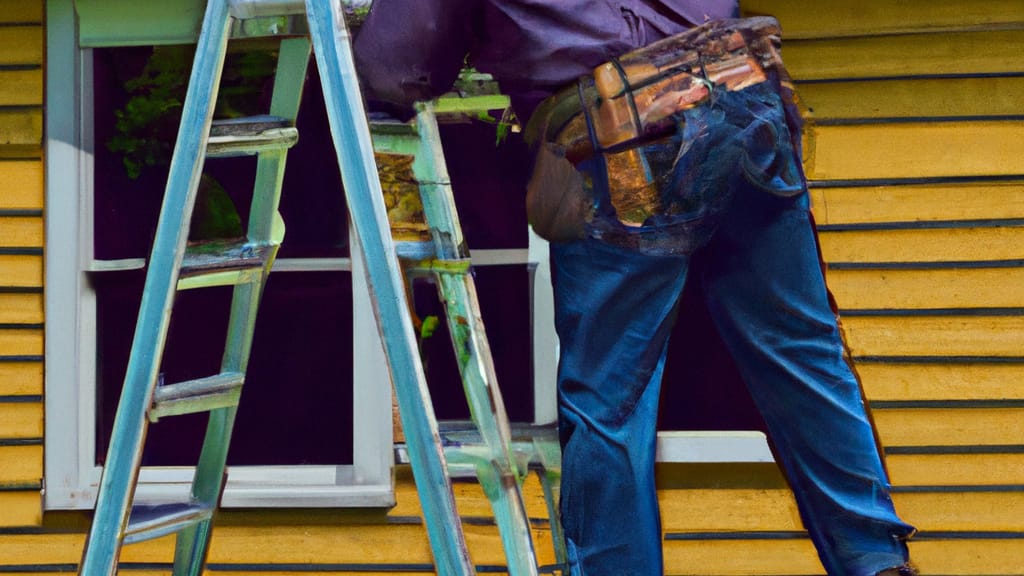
(250,135)
(200,395)
(263,8)
(413,250)
(464,449)
(153,521)
(458,432)
(222,263)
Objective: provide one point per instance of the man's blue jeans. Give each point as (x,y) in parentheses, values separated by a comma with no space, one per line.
(764,288)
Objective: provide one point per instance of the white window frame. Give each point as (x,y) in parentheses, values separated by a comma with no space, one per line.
(72,477)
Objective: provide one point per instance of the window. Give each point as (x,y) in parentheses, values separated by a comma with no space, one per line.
(315,425)
(314,429)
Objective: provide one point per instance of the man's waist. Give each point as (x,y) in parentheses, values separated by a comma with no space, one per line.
(636,96)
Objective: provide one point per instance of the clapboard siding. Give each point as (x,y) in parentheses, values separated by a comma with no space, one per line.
(941,379)
(935,335)
(970,242)
(943,426)
(810,19)
(20,12)
(775,554)
(20,460)
(963,97)
(21,45)
(21,229)
(21,126)
(950,201)
(957,469)
(21,308)
(895,289)
(21,378)
(21,270)
(914,153)
(21,187)
(23,419)
(912,150)
(21,87)
(992,52)
(21,263)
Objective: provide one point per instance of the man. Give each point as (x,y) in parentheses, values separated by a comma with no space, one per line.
(723,188)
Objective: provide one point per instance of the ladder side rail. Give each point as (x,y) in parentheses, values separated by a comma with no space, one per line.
(485,401)
(498,472)
(354,149)
(117,484)
(266,227)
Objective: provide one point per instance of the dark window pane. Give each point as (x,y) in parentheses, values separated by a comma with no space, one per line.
(297,401)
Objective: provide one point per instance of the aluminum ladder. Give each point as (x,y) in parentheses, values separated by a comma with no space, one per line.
(173,265)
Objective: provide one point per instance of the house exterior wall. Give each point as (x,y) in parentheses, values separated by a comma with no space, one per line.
(915,156)
(21,262)
(915,151)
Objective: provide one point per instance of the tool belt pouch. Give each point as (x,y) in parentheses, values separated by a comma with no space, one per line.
(557,205)
(628,126)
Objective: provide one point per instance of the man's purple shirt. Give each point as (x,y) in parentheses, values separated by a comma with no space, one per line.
(410,50)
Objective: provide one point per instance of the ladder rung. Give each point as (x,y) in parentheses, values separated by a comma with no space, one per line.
(466,432)
(222,262)
(464,449)
(413,250)
(264,8)
(250,135)
(200,395)
(153,521)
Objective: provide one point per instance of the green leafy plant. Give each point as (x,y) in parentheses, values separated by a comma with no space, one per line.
(146,126)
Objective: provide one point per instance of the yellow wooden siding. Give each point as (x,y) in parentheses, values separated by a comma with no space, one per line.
(21,264)
(924,244)
(21,87)
(21,127)
(728,557)
(919,202)
(302,543)
(915,154)
(20,11)
(950,426)
(18,462)
(18,308)
(21,45)
(914,98)
(21,420)
(941,336)
(21,187)
(19,270)
(945,381)
(732,511)
(903,55)
(21,378)
(21,231)
(792,557)
(878,289)
(21,341)
(956,469)
(20,508)
(917,150)
(809,19)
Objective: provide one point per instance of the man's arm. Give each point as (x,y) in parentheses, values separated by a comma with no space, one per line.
(410,50)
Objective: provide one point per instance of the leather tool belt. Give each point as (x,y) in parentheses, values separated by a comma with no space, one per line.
(633,98)
(645,152)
